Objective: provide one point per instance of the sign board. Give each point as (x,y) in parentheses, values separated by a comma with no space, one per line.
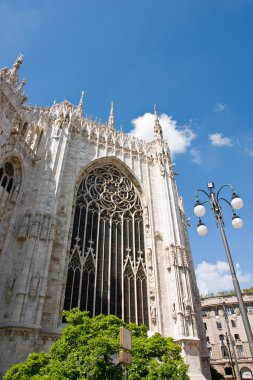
(125,339)
(125,357)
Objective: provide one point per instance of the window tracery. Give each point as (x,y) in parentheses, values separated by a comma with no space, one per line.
(6,176)
(107,270)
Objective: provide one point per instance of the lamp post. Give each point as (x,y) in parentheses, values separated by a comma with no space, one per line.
(231,346)
(235,376)
(236,203)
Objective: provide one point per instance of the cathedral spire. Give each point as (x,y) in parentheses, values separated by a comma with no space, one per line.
(80,105)
(158,132)
(13,78)
(18,62)
(111,119)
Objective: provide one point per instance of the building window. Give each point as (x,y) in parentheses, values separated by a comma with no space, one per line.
(233,322)
(107,270)
(210,351)
(207,339)
(6,176)
(205,325)
(221,337)
(228,371)
(224,351)
(237,337)
(239,350)
(229,310)
(219,325)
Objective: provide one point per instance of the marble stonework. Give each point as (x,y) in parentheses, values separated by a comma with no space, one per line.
(51,149)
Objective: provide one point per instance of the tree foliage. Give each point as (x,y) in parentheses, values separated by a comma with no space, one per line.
(88,349)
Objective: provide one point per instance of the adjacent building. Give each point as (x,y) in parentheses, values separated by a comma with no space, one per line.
(221,317)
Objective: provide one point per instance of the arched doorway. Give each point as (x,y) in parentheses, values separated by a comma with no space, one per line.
(246,373)
(106,268)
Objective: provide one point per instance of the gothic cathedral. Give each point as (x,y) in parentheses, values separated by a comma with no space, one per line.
(90,217)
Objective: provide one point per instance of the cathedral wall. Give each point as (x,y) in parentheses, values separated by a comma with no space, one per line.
(51,149)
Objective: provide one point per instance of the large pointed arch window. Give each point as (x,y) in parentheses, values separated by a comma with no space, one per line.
(106,269)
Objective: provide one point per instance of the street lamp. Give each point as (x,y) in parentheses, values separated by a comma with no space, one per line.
(230,344)
(236,203)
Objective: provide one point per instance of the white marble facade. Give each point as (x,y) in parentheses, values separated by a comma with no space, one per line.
(45,152)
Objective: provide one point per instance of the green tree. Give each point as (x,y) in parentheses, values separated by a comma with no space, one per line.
(88,349)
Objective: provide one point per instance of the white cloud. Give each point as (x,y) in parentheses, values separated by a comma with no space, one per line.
(196,156)
(220,107)
(212,278)
(179,137)
(218,139)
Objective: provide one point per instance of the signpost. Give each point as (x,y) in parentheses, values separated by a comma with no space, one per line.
(125,356)
(125,339)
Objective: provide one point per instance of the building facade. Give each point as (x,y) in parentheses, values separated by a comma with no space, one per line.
(221,317)
(90,218)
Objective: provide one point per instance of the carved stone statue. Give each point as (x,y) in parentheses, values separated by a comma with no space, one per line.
(44,230)
(173,311)
(167,255)
(146,216)
(153,312)
(149,257)
(179,257)
(35,226)
(10,282)
(187,308)
(23,232)
(34,285)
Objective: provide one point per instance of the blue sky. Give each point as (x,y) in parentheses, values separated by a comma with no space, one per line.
(194,59)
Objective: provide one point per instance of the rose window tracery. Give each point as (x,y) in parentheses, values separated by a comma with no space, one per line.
(106,270)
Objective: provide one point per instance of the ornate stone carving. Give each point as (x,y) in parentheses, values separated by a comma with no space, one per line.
(172,255)
(151,278)
(162,169)
(45,226)
(23,232)
(173,313)
(177,256)
(187,308)
(158,236)
(149,257)
(185,258)
(3,99)
(34,285)
(34,232)
(17,331)
(52,231)
(10,282)
(146,221)
(153,311)
(44,337)
(168,257)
